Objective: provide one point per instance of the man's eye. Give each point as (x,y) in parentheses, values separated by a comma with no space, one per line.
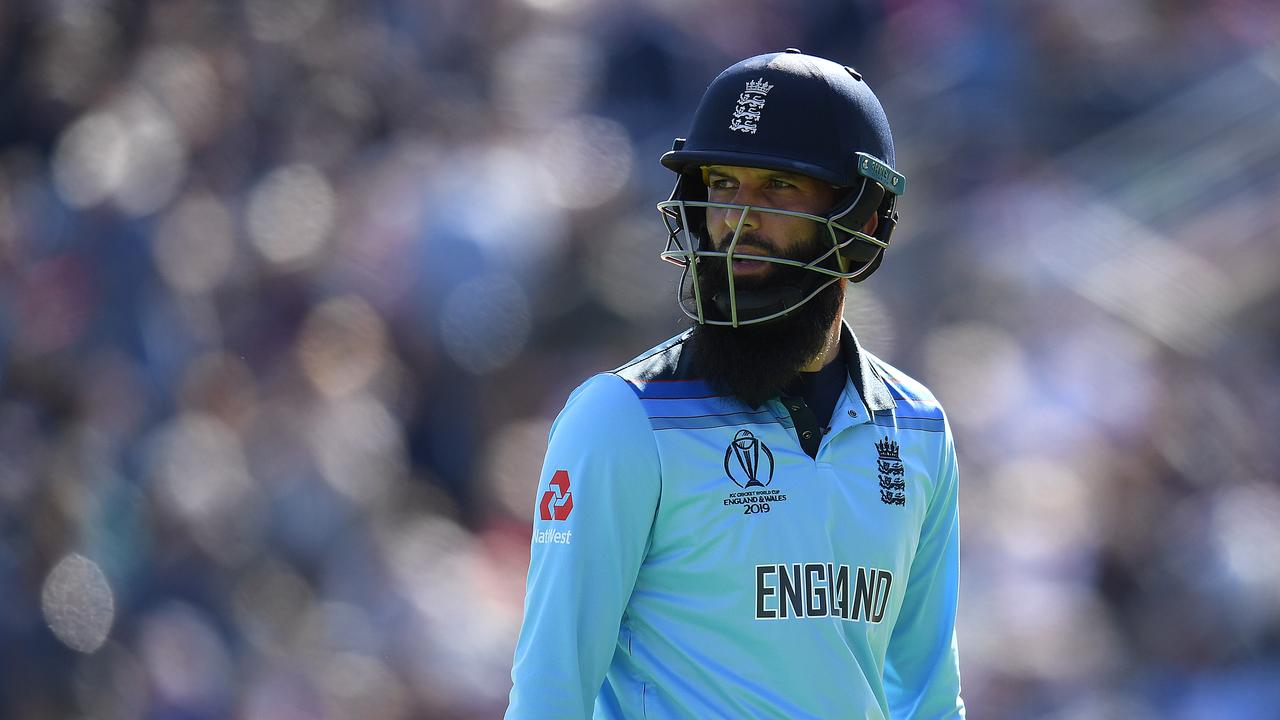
(720,184)
(780,183)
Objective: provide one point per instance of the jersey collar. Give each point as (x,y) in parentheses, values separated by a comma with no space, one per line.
(875,394)
(871,387)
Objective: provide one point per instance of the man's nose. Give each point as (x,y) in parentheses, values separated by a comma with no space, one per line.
(733,216)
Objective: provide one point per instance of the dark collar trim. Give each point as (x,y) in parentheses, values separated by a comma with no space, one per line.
(875,394)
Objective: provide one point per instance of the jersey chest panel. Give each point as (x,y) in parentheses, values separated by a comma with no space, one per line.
(752,528)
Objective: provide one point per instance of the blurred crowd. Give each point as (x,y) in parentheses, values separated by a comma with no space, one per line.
(291,290)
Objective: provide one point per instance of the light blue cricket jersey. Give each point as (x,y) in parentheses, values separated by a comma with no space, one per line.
(690,560)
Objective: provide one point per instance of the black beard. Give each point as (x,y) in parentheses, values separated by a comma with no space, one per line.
(755,362)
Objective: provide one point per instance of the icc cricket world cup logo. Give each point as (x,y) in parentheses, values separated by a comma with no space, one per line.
(746,471)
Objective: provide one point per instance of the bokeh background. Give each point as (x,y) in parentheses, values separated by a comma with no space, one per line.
(291,290)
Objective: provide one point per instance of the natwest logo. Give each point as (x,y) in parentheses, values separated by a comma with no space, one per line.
(557,502)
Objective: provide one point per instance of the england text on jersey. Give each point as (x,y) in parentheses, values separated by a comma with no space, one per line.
(808,590)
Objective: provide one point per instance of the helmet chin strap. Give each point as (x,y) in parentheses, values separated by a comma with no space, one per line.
(755,304)
(761,302)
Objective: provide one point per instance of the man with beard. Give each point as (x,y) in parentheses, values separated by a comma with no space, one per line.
(756,518)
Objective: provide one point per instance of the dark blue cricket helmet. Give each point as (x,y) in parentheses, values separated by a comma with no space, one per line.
(798,113)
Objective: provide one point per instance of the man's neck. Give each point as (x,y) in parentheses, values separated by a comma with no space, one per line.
(831,347)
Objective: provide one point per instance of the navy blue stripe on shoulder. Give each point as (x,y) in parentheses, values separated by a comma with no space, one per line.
(694,404)
(907,422)
(674,390)
(707,422)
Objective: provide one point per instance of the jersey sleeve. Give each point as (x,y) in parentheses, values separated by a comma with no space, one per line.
(922,670)
(593,517)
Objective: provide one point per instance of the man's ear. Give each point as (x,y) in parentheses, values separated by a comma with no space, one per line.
(872,223)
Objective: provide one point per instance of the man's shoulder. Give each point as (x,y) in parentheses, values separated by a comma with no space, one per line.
(910,395)
(658,373)
(663,372)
